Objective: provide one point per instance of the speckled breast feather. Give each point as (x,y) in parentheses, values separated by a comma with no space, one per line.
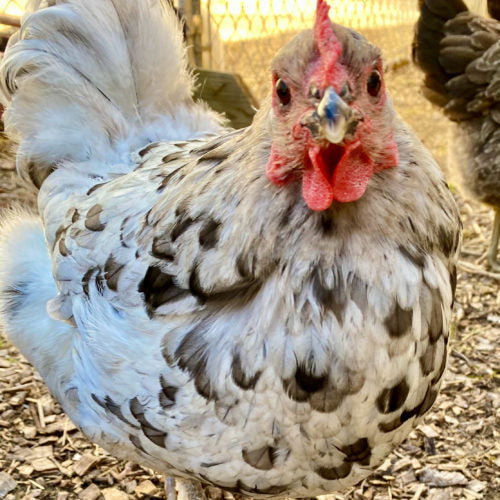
(191,315)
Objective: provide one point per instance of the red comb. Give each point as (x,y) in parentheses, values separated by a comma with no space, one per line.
(328,44)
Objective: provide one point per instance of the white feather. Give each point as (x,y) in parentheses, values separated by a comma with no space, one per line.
(95,80)
(26,277)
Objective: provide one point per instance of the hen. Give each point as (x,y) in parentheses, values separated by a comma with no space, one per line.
(459,53)
(270,334)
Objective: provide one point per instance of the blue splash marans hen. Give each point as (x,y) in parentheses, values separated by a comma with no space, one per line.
(265,310)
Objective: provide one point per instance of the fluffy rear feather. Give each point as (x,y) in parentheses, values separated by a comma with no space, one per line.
(26,284)
(95,80)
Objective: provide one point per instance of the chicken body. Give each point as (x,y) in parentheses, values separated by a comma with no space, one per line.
(459,54)
(208,323)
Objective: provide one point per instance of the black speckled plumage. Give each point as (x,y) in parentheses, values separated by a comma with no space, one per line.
(191,312)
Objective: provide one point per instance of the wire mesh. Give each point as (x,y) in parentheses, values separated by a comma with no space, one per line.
(242,36)
(10,12)
(12,7)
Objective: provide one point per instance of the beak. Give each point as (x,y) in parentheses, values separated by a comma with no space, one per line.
(333,118)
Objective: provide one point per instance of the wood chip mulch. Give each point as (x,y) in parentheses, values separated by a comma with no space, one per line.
(455,454)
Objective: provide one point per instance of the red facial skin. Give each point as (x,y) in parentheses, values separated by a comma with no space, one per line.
(334,172)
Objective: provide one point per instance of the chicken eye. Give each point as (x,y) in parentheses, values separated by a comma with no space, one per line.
(374,83)
(283,92)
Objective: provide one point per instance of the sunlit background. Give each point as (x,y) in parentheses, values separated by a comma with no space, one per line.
(246,19)
(12,7)
(259,18)
(241,36)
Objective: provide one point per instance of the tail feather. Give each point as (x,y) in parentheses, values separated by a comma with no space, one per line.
(89,79)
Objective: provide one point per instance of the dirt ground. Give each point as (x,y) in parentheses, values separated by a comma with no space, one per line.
(454,455)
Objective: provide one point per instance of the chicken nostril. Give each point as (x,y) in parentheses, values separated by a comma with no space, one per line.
(314,92)
(311,122)
(346,93)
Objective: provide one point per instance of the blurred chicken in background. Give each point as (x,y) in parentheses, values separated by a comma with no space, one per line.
(459,52)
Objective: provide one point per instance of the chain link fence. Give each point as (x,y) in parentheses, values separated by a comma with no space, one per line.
(242,36)
(10,11)
(12,7)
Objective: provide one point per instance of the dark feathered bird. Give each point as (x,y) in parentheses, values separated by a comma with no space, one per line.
(459,53)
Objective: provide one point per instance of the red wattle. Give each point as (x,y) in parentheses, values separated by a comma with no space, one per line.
(316,188)
(352,174)
(349,180)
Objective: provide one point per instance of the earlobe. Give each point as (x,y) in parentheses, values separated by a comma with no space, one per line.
(390,157)
(276,169)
